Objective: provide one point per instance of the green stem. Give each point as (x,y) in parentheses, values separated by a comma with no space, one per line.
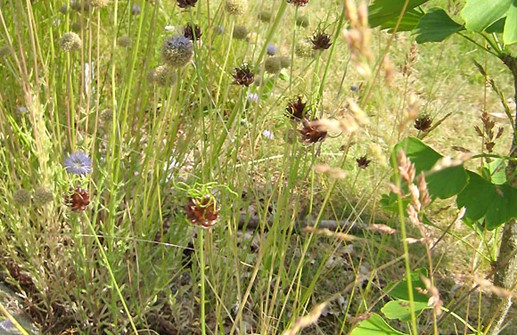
(202,280)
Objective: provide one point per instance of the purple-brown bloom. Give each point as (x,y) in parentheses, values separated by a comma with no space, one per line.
(363,162)
(243,76)
(423,123)
(202,211)
(321,41)
(298,3)
(78,200)
(186,3)
(311,133)
(192,32)
(296,109)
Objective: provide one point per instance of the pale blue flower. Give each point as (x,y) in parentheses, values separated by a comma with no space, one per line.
(78,163)
(271,49)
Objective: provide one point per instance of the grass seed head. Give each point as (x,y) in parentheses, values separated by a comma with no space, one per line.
(70,41)
(177,51)
(235,7)
(22,197)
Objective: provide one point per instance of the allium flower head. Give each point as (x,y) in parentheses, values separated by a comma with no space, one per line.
(243,76)
(192,32)
(311,133)
(78,163)
(363,162)
(235,7)
(70,41)
(321,41)
(423,123)
(271,49)
(202,211)
(296,109)
(298,3)
(42,196)
(22,197)
(186,3)
(78,200)
(177,51)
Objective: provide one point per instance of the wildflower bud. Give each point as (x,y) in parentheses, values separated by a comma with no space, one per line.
(271,49)
(202,211)
(22,197)
(163,76)
(177,51)
(76,26)
(63,9)
(273,65)
(265,16)
(99,3)
(42,196)
(304,49)
(135,10)
(235,7)
(5,51)
(240,32)
(70,41)
(80,5)
(285,61)
(124,41)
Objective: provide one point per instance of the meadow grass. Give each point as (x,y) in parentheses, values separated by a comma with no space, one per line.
(121,249)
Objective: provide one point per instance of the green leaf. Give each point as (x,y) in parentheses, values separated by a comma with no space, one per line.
(444,183)
(497,26)
(480,14)
(400,309)
(510,27)
(382,11)
(374,325)
(400,290)
(435,26)
(483,199)
(409,21)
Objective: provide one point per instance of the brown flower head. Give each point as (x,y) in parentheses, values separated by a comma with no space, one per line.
(243,76)
(296,109)
(363,162)
(78,200)
(186,3)
(321,41)
(298,3)
(311,133)
(202,211)
(423,123)
(192,32)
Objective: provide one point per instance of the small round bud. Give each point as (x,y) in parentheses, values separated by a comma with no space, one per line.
(304,49)
(163,76)
(79,5)
(22,197)
(5,51)
(70,41)
(235,7)
(273,65)
(265,16)
(76,27)
(302,21)
(177,51)
(135,10)
(240,32)
(271,49)
(124,41)
(285,61)
(42,196)
(63,9)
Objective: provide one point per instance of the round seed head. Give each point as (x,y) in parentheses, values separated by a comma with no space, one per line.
(70,41)
(302,21)
(265,16)
(76,26)
(273,65)
(42,196)
(235,7)
(240,32)
(285,61)
(63,9)
(79,5)
(177,51)
(22,197)
(163,76)
(304,49)
(124,41)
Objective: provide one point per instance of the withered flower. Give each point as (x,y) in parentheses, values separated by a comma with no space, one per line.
(311,133)
(296,109)
(423,123)
(192,32)
(321,41)
(363,162)
(78,200)
(186,3)
(298,3)
(243,76)
(202,211)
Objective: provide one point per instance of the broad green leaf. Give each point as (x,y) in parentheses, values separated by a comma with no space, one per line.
(497,203)
(400,290)
(442,184)
(480,14)
(400,309)
(510,27)
(374,325)
(409,21)
(495,171)
(497,26)
(382,11)
(435,26)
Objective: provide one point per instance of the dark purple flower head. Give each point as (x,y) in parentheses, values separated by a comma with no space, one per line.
(78,163)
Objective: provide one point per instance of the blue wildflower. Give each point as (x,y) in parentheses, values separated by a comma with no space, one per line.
(78,163)
(271,49)
(135,10)
(253,97)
